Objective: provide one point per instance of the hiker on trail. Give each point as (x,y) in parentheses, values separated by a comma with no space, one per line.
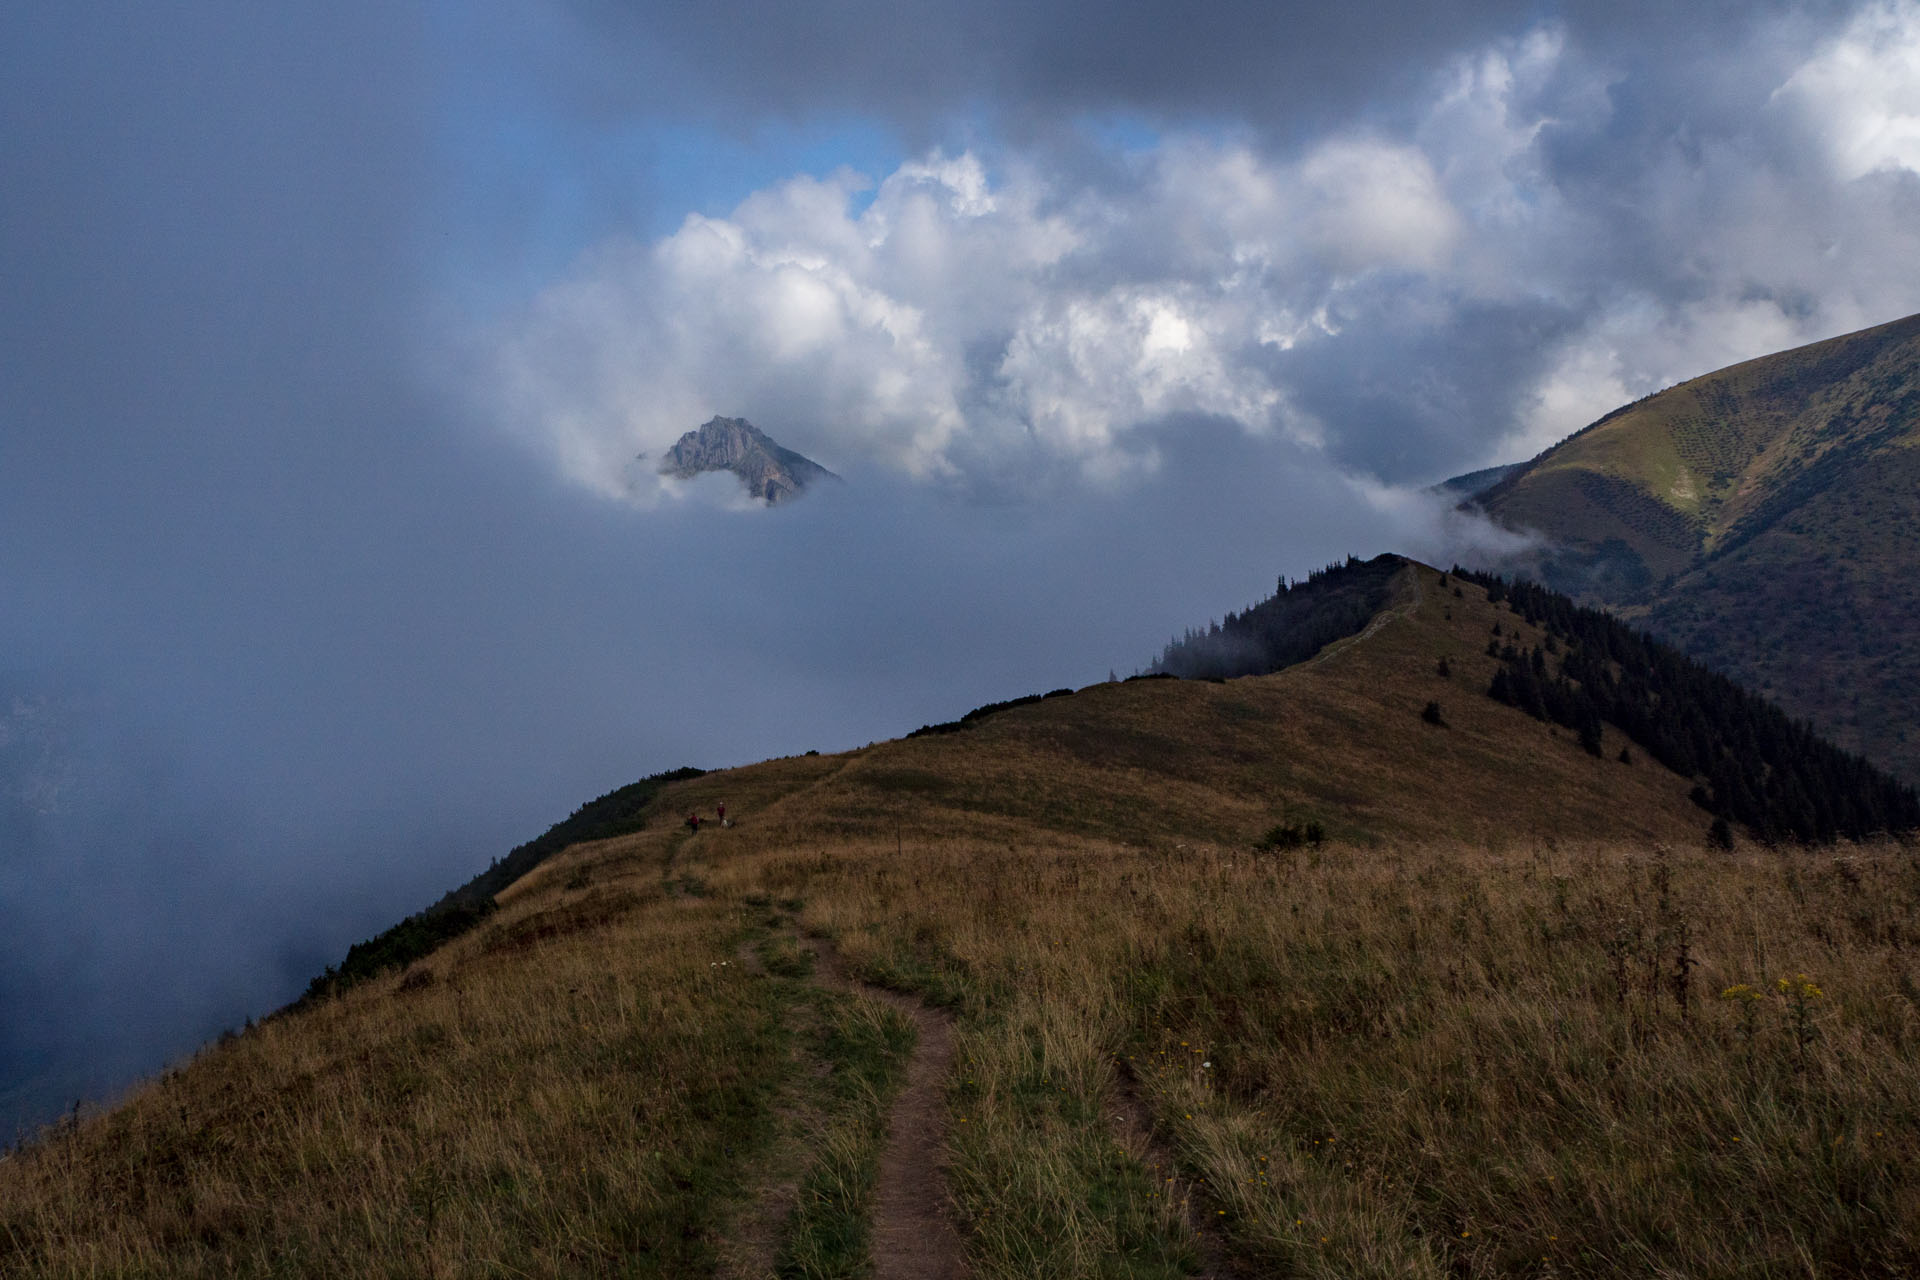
(720,812)
(693,822)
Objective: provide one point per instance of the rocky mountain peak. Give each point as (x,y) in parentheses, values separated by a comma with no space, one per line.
(770,471)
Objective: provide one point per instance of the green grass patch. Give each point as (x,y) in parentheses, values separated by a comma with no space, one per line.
(1044,1184)
(865,1046)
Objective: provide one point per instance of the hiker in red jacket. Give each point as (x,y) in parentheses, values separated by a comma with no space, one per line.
(693,822)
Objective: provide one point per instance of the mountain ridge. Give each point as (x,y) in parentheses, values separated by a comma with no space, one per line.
(1741,759)
(1294,968)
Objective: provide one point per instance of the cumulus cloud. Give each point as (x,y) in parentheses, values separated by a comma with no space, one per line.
(962,326)
(1377,205)
(1861,92)
(1464,287)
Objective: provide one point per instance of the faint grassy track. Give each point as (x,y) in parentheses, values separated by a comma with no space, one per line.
(1133,1128)
(1412,592)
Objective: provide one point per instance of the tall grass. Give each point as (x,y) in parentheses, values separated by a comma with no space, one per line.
(863,1047)
(1421,1060)
(586,1104)
(1416,1059)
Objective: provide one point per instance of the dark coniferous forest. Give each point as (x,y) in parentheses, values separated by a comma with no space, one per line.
(1755,766)
(1290,626)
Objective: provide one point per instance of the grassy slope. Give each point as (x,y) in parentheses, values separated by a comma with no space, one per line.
(1707,455)
(1763,518)
(1450,1042)
(1339,740)
(1821,611)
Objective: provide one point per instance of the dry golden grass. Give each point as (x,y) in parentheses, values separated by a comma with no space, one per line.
(1495,1041)
(1427,1060)
(545,1104)
(1481,1032)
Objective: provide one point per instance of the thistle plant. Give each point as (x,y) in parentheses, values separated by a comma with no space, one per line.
(1800,992)
(1746,998)
(1680,980)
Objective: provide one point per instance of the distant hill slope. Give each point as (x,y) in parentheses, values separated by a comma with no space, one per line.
(770,471)
(1337,738)
(1759,767)
(1765,518)
(1474,483)
(1347,969)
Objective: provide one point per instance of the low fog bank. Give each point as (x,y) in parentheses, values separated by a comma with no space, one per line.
(227,771)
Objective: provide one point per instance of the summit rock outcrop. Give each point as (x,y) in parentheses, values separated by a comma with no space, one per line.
(770,471)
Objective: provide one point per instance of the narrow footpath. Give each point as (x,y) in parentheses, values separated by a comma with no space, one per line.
(1133,1128)
(913,1234)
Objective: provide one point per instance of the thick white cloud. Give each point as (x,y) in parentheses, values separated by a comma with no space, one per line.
(1512,260)
(955,321)
(1373,204)
(1861,93)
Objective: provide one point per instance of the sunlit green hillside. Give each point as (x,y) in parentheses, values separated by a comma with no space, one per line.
(1766,518)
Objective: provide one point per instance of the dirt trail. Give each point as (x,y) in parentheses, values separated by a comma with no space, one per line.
(913,1236)
(753,1242)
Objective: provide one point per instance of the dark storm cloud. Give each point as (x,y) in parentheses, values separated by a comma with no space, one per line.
(1283,68)
(919,62)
